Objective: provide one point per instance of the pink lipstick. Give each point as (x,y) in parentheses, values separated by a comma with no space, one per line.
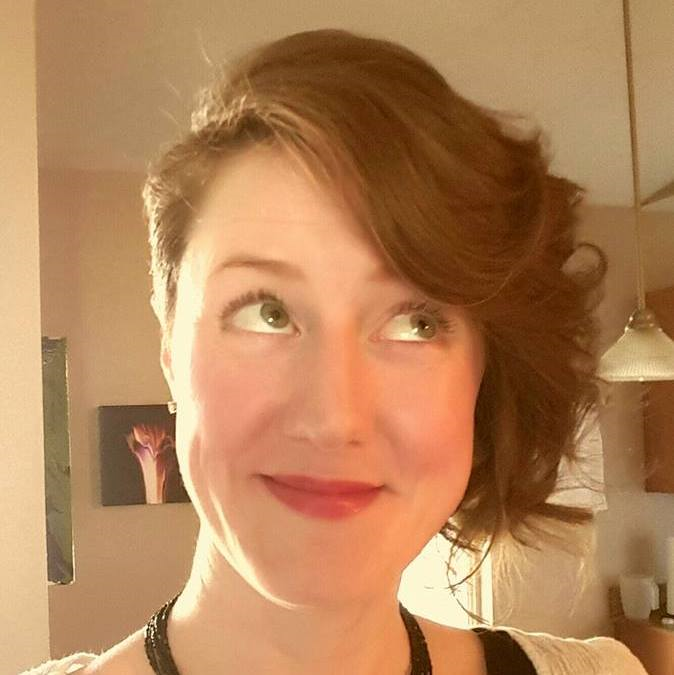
(321,498)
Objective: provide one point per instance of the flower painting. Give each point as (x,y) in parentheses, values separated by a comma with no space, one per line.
(138,458)
(154,449)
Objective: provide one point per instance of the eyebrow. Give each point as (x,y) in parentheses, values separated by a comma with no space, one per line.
(285,269)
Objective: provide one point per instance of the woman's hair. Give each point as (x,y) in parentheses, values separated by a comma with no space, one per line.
(460,203)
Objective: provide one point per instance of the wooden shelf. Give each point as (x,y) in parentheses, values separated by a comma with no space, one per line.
(650,641)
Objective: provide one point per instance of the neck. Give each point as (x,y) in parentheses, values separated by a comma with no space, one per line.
(221,624)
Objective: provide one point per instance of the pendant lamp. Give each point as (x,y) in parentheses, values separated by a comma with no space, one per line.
(643,353)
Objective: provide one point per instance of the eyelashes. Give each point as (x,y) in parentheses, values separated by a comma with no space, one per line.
(444,325)
(248,299)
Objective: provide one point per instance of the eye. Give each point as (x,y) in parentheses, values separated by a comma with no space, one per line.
(272,313)
(412,317)
(420,321)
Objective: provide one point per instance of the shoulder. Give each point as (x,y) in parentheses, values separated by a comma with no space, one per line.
(74,663)
(593,656)
(125,658)
(453,650)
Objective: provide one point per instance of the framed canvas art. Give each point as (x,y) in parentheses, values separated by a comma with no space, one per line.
(138,458)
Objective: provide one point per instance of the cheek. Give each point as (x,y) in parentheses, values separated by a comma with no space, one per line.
(441,432)
(232,398)
(218,428)
(435,420)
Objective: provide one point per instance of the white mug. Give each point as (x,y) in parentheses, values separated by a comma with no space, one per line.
(639,595)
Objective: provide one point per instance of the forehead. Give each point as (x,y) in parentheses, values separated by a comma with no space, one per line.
(263,201)
(267,182)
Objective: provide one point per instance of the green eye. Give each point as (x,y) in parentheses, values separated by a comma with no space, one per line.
(418,323)
(271,314)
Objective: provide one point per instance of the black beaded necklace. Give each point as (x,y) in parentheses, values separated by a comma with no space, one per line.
(159,653)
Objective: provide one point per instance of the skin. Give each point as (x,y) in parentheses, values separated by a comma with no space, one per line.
(339,387)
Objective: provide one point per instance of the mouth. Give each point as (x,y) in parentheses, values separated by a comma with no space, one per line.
(322,498)
(323,485)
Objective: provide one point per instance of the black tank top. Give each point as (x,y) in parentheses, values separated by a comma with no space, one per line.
(503,654)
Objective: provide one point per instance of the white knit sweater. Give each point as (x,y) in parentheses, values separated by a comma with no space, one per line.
(553,655)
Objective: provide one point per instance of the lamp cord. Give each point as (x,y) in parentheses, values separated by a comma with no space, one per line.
(641,294)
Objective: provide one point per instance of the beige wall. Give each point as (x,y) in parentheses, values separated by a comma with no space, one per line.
(629,535)
(23,564)
(95,292)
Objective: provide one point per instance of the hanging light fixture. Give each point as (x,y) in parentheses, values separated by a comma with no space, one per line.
(643,352)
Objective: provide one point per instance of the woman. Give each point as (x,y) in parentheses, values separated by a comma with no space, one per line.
(371,334)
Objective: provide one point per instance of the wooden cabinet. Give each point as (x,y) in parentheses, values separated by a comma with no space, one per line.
(659,407)
(649,641)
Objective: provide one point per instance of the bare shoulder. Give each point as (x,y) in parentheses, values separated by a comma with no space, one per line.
(124,658)
(453,650)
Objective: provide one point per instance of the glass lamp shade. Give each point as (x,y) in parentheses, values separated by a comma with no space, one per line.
(644,353)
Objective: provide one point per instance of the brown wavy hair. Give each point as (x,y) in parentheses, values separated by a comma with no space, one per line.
(461,203)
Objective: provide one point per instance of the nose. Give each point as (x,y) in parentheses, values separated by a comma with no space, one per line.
(332,392)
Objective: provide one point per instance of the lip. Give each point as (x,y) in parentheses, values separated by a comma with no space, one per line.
(321,498)
(322,485)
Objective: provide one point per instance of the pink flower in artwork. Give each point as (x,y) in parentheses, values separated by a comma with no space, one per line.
(154,448)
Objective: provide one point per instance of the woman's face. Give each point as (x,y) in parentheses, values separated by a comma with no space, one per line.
(330,381)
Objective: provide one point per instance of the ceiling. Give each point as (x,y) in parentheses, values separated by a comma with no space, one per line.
(116,78)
